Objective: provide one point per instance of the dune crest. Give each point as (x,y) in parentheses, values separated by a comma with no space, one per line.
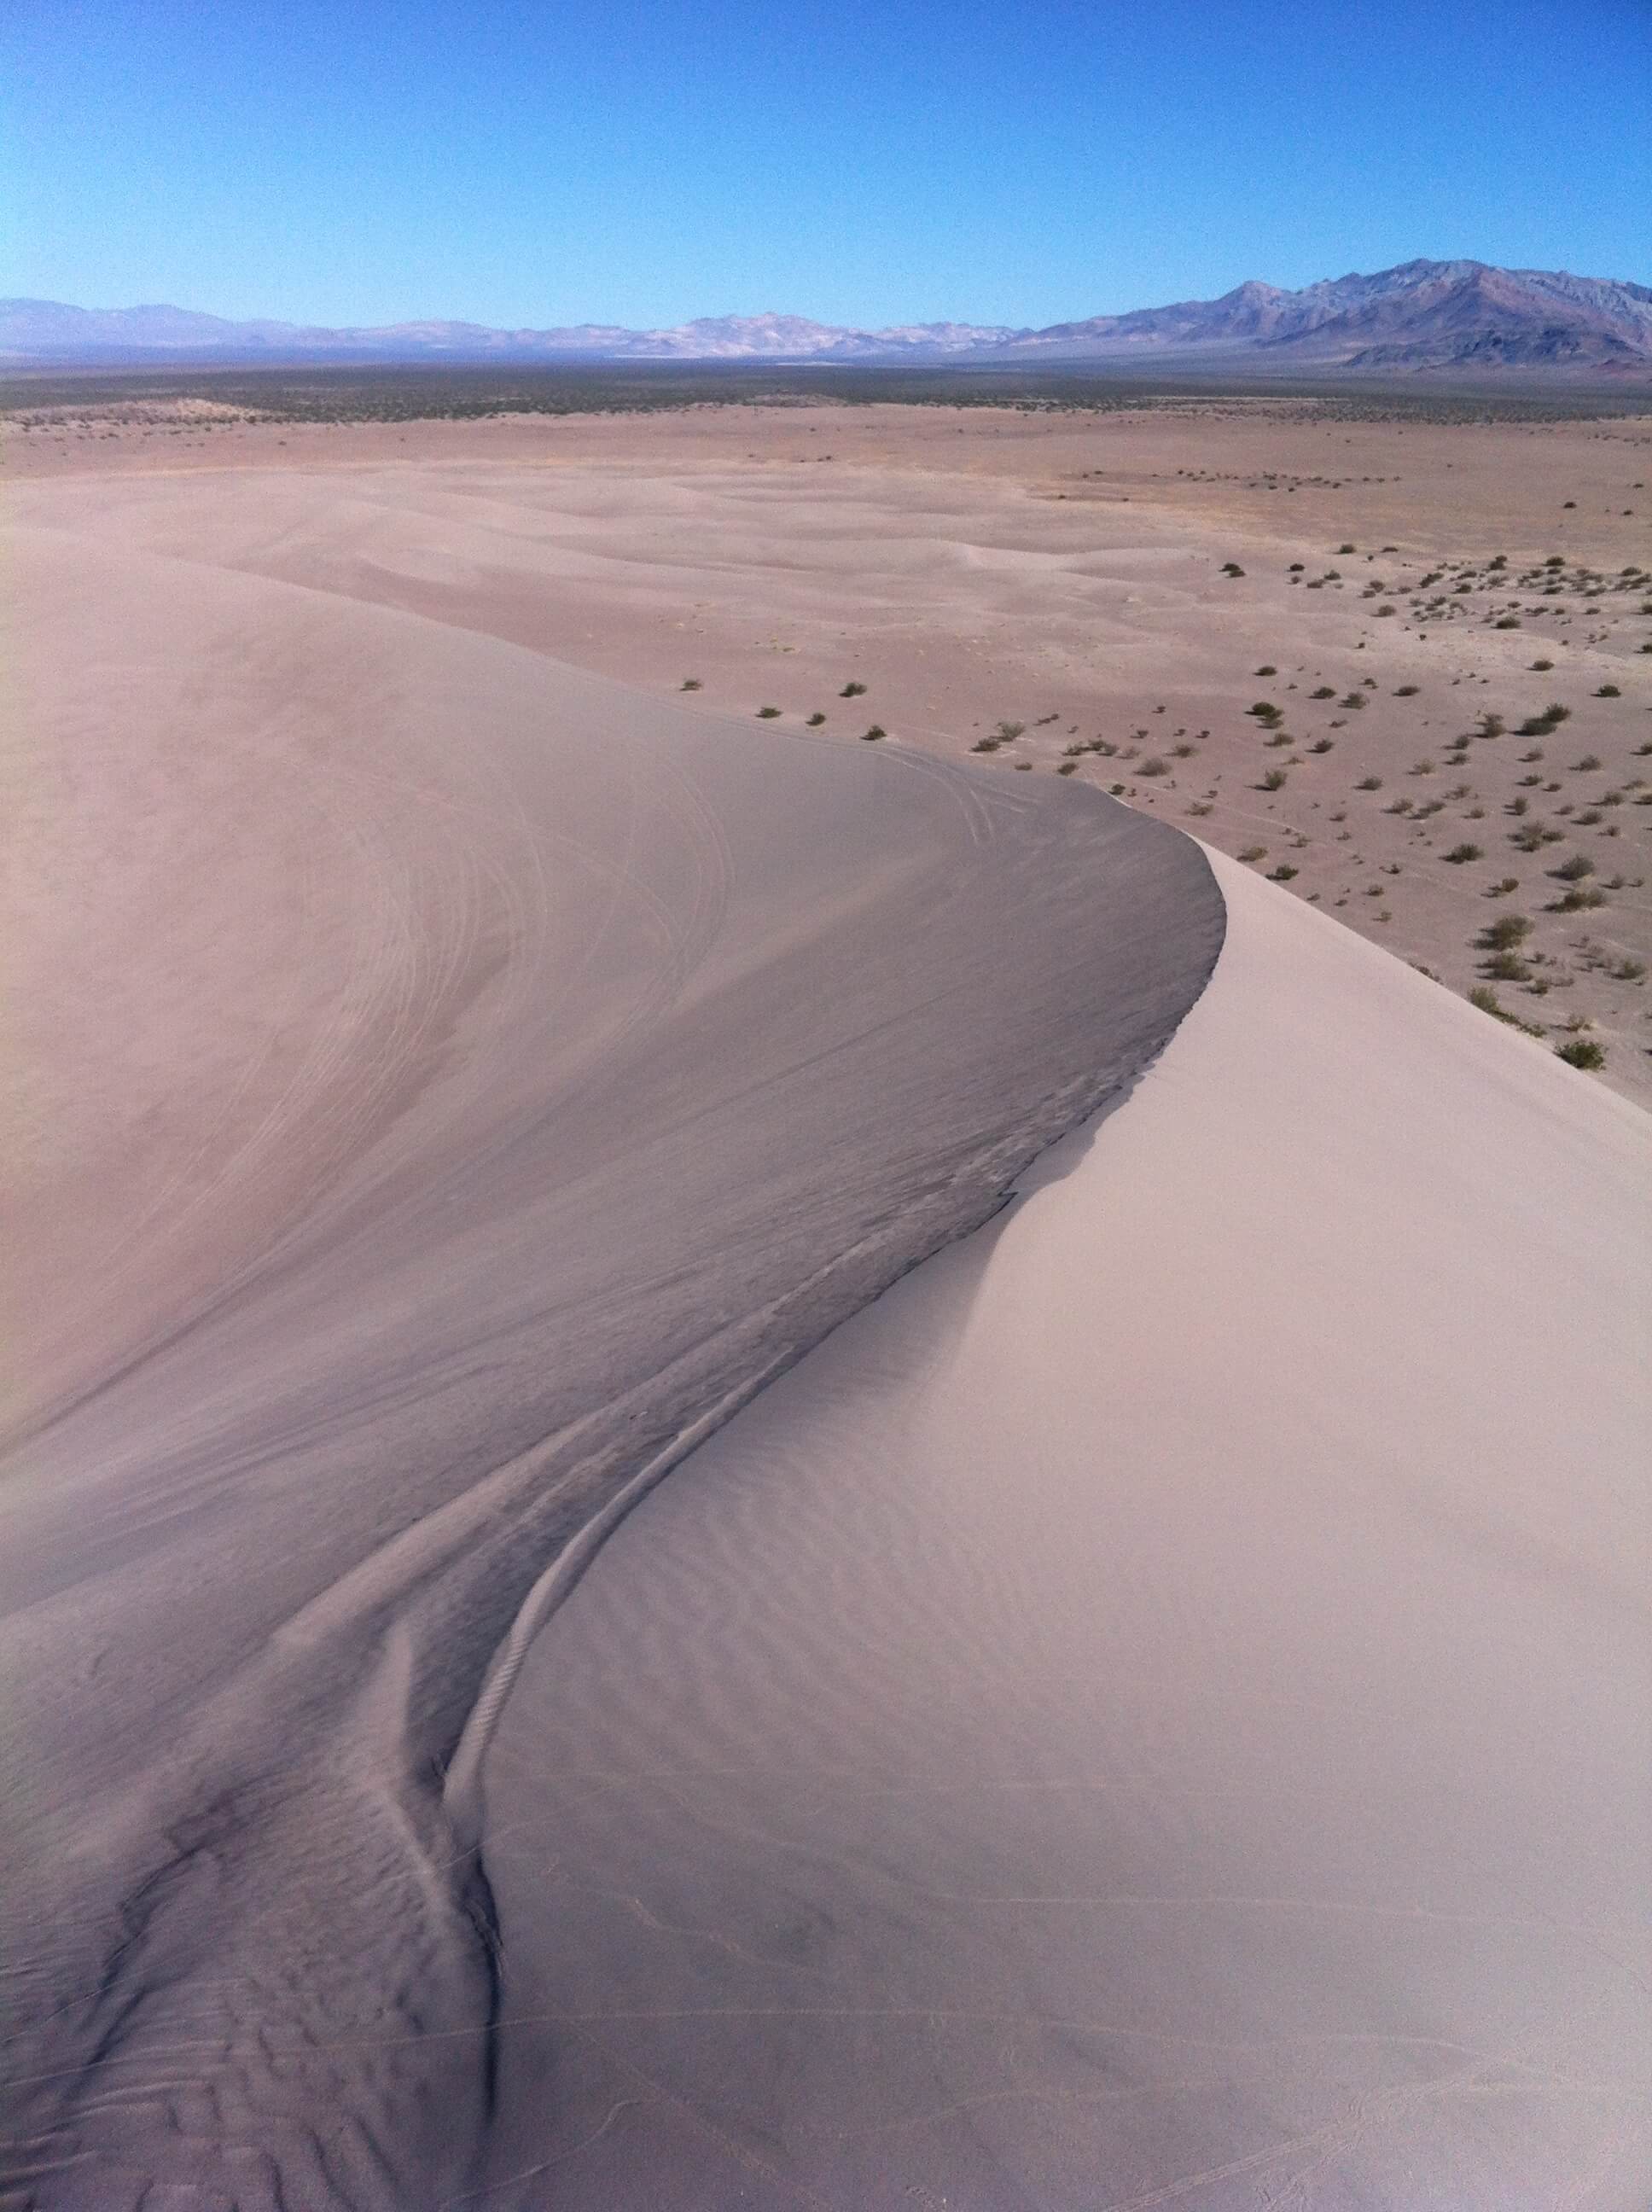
(453,1079)
(1153,1711)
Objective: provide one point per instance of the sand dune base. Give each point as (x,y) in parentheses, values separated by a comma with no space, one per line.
(1154,1711)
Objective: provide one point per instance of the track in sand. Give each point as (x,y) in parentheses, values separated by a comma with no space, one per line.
(447,1085)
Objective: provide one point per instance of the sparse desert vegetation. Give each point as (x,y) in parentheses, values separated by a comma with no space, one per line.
(1582,1052)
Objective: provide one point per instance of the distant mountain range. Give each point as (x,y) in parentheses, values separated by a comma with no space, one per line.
(1461,315)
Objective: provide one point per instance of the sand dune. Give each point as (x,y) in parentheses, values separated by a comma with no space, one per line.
(1152,1708)
(1156,1710)
(444,1084)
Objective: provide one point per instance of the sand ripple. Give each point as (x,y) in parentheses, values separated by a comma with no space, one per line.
(451,1079)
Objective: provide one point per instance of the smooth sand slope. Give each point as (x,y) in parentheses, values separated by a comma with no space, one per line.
(439,1086)
(1155,1712)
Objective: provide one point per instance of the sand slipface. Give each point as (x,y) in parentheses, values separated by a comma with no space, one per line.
(1156,1710)
(446,1085)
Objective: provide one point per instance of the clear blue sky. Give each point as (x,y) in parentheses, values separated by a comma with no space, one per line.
(544,161)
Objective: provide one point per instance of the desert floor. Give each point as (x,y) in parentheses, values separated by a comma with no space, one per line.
(977,568)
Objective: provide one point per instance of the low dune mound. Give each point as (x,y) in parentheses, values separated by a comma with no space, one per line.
(1155,1711)
(447,1086)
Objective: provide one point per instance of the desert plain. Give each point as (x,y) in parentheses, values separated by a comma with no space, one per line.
(1060,573)
(756,1452)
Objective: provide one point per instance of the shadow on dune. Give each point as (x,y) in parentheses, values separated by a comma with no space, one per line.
(471,1082)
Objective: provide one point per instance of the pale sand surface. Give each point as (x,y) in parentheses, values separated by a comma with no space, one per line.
(1063,571)
(1165,1684)
(439,1083)
(1156,1710)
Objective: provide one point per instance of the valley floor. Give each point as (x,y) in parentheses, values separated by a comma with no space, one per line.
(1414,592)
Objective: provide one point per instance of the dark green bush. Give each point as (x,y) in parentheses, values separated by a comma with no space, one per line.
(1505,932)
(1581,1052)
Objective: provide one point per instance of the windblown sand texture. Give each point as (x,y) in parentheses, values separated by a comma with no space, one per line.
(449,1082)
(1153,1709)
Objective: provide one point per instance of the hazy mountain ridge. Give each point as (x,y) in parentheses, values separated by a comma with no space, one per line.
(49,329)
(1420,315)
